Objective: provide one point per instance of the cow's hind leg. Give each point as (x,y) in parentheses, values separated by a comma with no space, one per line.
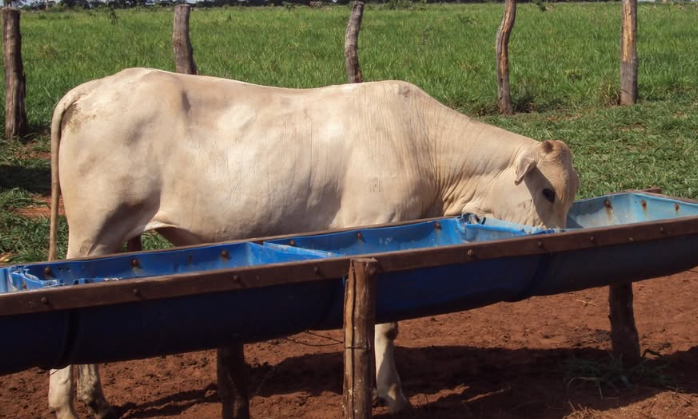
(60,391)
(134,244)
(90,392)
(388,383)
(89,384)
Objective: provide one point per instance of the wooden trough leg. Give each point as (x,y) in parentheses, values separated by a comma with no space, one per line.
(232,382)
(624,338)
(359,326)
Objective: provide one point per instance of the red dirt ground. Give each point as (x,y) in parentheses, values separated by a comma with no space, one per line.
(42,208)
(503,361)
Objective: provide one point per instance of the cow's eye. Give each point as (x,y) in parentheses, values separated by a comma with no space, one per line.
(549,194)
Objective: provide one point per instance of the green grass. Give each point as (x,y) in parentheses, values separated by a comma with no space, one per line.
(564,77)
(563,59)
(609,374)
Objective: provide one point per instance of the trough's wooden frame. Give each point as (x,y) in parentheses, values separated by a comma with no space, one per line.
(224,280)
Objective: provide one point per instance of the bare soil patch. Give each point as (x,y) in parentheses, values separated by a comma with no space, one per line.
(503,361)
(42,209)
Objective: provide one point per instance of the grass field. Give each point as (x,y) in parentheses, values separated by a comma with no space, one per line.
(564,77)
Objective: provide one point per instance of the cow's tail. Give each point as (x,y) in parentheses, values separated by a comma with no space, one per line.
(56,125)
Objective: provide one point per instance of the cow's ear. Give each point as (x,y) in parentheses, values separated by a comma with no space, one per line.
(526,162)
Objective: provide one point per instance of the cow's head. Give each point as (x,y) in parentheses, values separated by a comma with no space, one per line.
(537,189)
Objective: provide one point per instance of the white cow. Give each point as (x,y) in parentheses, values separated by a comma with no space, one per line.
(203,159)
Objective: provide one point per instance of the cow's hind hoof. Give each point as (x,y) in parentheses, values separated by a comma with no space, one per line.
(395,406)
(108,413)
(379,401)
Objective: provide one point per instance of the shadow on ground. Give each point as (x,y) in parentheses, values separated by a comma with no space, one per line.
(33,179)
(463,382)
(172,405)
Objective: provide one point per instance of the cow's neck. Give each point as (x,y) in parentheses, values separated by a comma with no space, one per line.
(469,158)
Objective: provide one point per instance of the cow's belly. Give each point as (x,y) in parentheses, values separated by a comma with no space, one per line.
(212,220)
(213,224)
(258,210)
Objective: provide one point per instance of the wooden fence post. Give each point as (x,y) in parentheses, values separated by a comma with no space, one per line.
(351,43)
(359,327)
(183,51)
(624,338)
(15,111)
(232,382)
(628,52)
(505,28)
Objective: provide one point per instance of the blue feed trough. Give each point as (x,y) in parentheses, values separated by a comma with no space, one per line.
(145,304)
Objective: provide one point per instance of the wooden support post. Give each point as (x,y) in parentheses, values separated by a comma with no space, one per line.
(628,53)
(183,51)
(359,327)
(505,28)
(15,111)
(624,338)
(351,43)
(232,382)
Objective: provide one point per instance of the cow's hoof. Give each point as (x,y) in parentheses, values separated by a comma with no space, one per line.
(378,401)
(64,414)
(108,413)
(396,404)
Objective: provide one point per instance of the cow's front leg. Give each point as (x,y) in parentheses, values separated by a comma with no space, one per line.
(387,379)
(60,393)
(90,392)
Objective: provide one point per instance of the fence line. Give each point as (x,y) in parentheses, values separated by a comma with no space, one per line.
(15,111)
(181,44)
